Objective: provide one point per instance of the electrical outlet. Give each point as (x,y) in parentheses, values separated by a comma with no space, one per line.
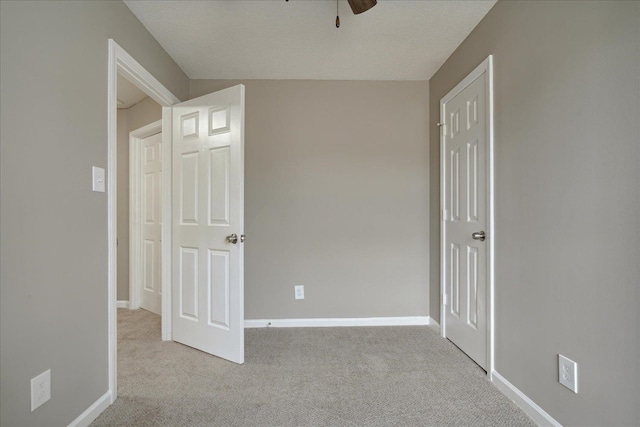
(299,291)
(40,389)
(568,373)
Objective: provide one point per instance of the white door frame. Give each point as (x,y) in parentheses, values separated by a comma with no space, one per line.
(485,67)
(135,210)
(120,62)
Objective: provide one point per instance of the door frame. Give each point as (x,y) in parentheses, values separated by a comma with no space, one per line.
(120,62)
(485,67)
(135,210)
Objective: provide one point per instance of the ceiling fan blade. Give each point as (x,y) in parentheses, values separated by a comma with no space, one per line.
(359,6)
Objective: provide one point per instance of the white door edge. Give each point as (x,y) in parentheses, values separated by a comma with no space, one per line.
(167,200)
(486,68)
(120,62)
(135,210)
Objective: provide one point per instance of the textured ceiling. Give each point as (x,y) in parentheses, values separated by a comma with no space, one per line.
(275,39)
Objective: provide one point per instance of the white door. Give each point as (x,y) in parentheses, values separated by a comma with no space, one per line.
(208,223)
(465,217)
(151,195)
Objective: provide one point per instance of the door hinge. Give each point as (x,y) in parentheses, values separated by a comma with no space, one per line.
(444,299)
(444,214)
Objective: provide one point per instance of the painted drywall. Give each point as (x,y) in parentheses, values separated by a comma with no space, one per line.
(567,174)
(141,114)
(336,197)
(53,263)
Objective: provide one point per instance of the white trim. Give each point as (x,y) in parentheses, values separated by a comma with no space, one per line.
(112,217)
(122,304)
(491,230)
(167,197)
(539,415)
(135,209)
(336,322)
(129,68)
(92,412)
(120,62)
(486,67)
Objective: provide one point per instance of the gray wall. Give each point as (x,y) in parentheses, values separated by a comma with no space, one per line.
(53,263)
(336,197)
(141,114)
(567,141)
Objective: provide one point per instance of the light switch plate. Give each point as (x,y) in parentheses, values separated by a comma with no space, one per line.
(98,179)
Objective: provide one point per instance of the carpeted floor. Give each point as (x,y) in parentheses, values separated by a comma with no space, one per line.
(382,376)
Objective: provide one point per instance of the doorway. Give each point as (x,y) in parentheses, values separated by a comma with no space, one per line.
(466,197)
(145,208)
(206,284)
(121,64)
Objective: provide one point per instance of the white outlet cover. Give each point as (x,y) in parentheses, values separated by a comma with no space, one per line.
(98,183)
(299,291)
(568,373)
(40,389)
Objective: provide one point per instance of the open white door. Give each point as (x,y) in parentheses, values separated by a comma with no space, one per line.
(208,223)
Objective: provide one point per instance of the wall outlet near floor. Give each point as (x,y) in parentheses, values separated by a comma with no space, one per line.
(40,389)
(568,373)
(298,291)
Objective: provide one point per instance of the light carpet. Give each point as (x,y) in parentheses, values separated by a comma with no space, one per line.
(364,376)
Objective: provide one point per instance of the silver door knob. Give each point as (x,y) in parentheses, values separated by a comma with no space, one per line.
(478,235)
(232,238)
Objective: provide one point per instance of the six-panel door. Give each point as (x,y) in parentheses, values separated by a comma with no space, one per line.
(465,204)
(208,288)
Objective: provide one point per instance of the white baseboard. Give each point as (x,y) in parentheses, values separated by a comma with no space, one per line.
(122,304)
(92,412)
(539,415)
(335,322)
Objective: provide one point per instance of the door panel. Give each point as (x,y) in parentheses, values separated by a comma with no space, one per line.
(151,196)
(189,188)
(219,289)
(455,280)
(208,161)
(219,196)
(149,258)
(188,271)
(465,199)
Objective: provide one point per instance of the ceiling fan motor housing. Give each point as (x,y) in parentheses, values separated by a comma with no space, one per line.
(359,6)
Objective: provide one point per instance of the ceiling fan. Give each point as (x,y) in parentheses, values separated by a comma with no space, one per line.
(357,6)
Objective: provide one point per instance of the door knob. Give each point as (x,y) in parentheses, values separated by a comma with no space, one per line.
(232,238)
(478,235)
